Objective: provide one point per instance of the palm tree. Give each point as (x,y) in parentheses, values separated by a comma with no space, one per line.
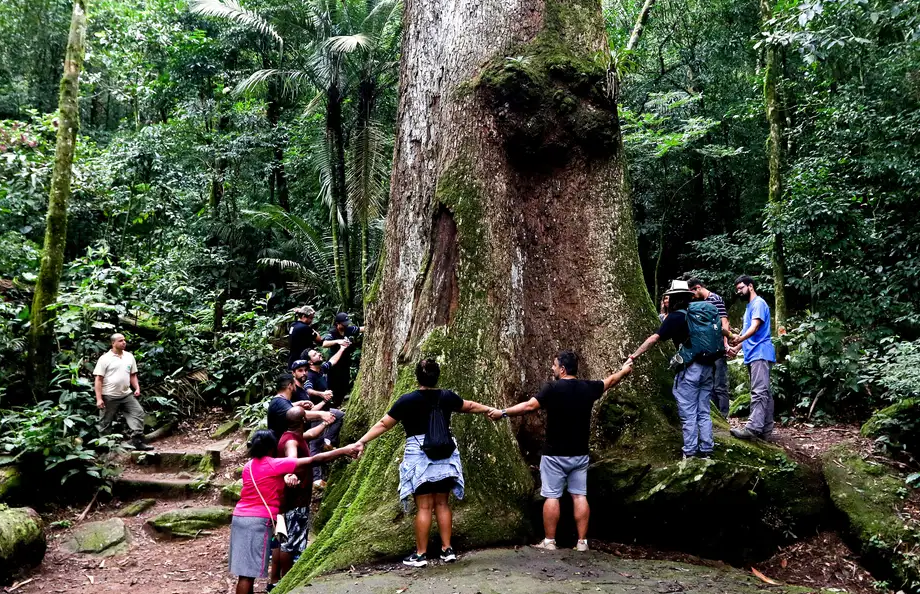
(348,49)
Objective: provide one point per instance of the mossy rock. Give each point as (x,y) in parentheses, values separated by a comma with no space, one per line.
(740,405)
(22,541)
(870,496)
(136,508)
(230,494)
(99,539)
(226,429)
(899,423)
(188,522)
(10,482)
(678,504)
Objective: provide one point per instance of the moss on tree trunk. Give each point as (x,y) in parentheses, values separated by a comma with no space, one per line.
(41,337)
(509,237)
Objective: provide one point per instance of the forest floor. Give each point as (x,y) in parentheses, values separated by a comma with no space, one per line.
(186,566)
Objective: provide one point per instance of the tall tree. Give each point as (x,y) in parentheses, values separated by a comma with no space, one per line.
(775,147)
(509,236)
(41,337)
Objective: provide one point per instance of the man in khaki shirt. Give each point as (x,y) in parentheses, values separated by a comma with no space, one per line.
(117,390)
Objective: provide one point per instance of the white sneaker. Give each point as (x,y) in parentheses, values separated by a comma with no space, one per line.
(546,544)
(582,546)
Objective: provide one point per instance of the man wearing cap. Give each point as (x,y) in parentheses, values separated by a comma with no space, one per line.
(316,385)
(281,403)
(340,375)
(302,334)
(693,384)
(720,389)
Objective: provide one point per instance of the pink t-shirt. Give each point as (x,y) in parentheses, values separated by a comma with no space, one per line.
(269,474)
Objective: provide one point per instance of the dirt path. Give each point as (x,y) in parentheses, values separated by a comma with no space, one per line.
(199,565)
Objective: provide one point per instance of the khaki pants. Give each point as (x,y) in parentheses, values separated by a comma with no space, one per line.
(132,409)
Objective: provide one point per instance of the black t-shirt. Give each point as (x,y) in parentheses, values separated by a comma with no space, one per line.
(341,368)
(299,394)
(301,337)
(277,415)
(568,406)
(675,328)
(318,380)
(414,408)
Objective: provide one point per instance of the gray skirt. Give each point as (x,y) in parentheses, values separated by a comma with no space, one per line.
(250,548)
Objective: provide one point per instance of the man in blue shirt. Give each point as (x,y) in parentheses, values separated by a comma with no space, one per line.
(759,356)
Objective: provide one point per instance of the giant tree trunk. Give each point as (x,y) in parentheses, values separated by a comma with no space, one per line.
(509,236)
(41,337)
(775,146)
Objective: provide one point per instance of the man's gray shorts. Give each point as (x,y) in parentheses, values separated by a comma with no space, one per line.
(557,471)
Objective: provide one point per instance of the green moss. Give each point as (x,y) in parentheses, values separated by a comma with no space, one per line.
(10,482)
(361,518)
(899,424)
(549,95)
(230,494)
(206,465)
(226,429)
(189,522)
(136,508)
(740,405)
(870,496)
(22,540)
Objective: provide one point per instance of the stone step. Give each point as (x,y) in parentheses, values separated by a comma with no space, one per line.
(205,462)
(164,485)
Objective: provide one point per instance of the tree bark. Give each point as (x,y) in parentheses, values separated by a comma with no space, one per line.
(509,236)
(41,337)
(335,138)
(639,27)
(775,145)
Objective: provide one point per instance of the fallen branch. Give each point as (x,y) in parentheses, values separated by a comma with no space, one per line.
(82,516)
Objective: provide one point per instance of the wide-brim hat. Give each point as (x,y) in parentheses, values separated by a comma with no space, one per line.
(306,310)
(678,287)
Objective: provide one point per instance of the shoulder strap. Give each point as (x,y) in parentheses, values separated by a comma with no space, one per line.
(256,485)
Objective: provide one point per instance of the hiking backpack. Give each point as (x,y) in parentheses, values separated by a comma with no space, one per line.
(704,344)
(439,443)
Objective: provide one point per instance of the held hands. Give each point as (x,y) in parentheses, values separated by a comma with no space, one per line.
(327,417)
(327,395)
(495,414)
(734,339)
(304,404)
(732,352)
(291,480)
(626,369)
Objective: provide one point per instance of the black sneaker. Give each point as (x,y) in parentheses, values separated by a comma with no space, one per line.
(415,560)
(270,587)
(140,446)
(704,455)
(448,555)
(745,434)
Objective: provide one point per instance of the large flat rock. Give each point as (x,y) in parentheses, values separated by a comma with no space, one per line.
(102,539)
(530,571)
(188,522)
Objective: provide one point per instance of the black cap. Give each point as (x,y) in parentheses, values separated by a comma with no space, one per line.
(341,318)
(299,363)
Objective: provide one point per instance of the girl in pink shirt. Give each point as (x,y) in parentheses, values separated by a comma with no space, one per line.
(251,530)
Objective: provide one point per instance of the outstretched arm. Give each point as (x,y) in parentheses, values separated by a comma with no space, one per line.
(522,408)
(379,428)
(475,408)
(651,340)
(618,376)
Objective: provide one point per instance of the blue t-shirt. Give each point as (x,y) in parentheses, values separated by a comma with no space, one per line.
(760,345)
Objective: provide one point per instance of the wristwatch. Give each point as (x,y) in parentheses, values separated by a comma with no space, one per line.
(504,414)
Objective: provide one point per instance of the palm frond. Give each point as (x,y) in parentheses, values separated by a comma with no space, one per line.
(344,44)
(367,173)
(233,11)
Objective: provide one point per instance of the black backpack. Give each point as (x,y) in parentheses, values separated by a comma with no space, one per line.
(439,443)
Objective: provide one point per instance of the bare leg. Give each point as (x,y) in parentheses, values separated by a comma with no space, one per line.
(445,518)
(425,503)
(274,573)
(582,513)
(285,561)
(550,517)
(244,585)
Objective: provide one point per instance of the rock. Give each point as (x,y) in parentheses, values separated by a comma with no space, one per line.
(530,571)
(136,508)
(132,485)
(188,522)
(230,494)
(871,497)
(740,405)
(101,539)
(22,541)
(898,423)
(165,460)
(10,482)
(226,429)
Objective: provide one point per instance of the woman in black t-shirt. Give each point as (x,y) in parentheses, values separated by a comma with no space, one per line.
(429,481)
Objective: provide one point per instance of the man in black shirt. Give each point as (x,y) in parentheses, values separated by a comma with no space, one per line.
(693,382)
(340,375)
(281,403)
(316,387)
(302,334)
(568,402)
